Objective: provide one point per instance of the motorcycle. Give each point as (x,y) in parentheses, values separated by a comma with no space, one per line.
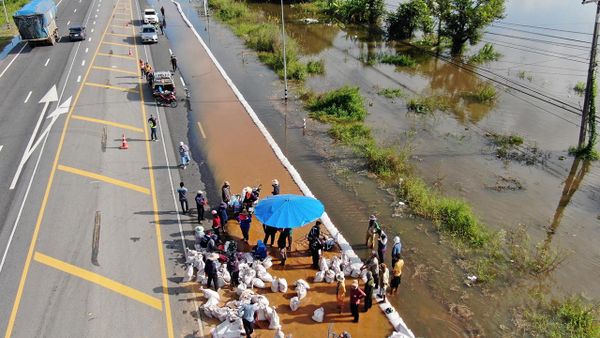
(166,99)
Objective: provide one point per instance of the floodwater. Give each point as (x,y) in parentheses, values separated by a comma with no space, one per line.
(559,202)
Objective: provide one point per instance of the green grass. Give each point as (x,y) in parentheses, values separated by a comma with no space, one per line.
(6,34)
(427,104)
(315,67)
(391,93)
(400,60)
(570,317)
(353,133)
(487,53)
(342,105)
(484,94)
(579,88)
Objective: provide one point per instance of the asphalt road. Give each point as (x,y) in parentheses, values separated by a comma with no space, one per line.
(90,238)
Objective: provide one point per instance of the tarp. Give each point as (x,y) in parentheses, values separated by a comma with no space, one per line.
(37,7)
(34,18)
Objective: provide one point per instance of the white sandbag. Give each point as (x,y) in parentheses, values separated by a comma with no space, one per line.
(347,270)
(267,262)
(279,334)
(247,279)
(257,282)
(248,258)
(301,291)
(189,274)
(302,282)
(355,272)
(336,265)
(319,315)
(259,268)
(274,321)
(323,263)
(275,285)
(261,300)
(228,329)
(207,311)
(260,314)
(283,285)
(269,312)
(294,303)
(208,293)
(265,277)
(240,288)
(363,276)
(220,313)
(329,276)
(220,282)
(319,276)
(226,276)
(202,278)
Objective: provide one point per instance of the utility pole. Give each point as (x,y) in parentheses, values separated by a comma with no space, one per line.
(285,93)
(590,79)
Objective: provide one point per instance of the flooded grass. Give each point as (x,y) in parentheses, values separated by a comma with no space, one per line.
(579,88)
(400,60)
(391,93)
(487,53)
(344,104)
(8,29)
(427,104)
(484,94)
(315,67)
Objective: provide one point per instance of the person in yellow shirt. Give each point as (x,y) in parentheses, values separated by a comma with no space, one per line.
(340,292)
(396,275)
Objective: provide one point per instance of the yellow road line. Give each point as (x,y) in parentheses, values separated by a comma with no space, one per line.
(93,84)
(15,308)
(116,43)
(108,123)
(117,56)
(99,280)
(123,35)
(116,70)
(159,241)
(103,178)
(120,26)
(201,130)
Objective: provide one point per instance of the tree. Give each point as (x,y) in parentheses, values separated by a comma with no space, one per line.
(438,9)
(409,17)
(465,19)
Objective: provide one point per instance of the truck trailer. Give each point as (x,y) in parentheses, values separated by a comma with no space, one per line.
(36,21)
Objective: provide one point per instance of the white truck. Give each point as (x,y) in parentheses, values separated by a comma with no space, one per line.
(150,16)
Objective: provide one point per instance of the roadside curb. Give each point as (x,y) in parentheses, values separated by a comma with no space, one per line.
(399,325)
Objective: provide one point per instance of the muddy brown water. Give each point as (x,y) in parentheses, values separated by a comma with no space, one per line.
(450,149)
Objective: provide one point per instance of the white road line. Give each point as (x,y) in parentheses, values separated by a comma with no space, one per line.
(13,60)
(27,98)
(94,23)
(68,22)
(58,4)
(89,39)
(182,82)
(47,60)
(75,10)
(95,15)
(86,49)
(1,146)
(79,78)
(170,51)
(83,63)
(92,30)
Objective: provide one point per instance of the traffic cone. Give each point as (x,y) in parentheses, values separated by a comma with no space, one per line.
(124,144)
(129,52)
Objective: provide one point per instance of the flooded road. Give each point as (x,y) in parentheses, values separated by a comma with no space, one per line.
(560,199)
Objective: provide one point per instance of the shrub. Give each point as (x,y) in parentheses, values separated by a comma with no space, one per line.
(315,67)
(487,53)
(427,104)
(401,60)
(570,317)
(484,94)
(355,11)
(409,17)
(343,104)
(350,133)
(579,88)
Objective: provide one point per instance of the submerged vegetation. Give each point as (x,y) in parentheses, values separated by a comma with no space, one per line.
(484,94)
(579,88)
(427,104)
(487,53)
(400,60)
(391,93)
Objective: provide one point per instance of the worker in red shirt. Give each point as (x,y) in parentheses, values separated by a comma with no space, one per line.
(356,294)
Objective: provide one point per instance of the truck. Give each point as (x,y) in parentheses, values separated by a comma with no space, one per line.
(36,21)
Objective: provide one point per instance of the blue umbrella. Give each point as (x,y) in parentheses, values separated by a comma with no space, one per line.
(288,211)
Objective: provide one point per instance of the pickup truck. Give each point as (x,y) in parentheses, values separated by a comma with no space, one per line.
(36,21)
(150,16)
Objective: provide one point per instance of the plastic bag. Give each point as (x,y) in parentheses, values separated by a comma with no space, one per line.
(301,291)
(329,276)
(294,303)
(319,277)
(226,276)
(189,274)
(323,264)
(347,270)
(283,286)
(318,315)
(208,293)
(275,285)
(336,265)
(274,321)
(240,288)
(257,282)
(303,282)
(265,277)
(267,263)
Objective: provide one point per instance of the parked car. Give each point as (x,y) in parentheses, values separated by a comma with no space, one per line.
(77,33)
(149,34)
(150,16)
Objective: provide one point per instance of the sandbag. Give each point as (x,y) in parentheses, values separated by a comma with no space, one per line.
(319,276)
(220,282)
(329,276)
(268,262)
(226,276)
(283,286)
(202,278)
(318,315)
(189,274)
(302,282)
(265,277)
(260,314)
(301,291)
(294,303)
(347,270)
(323,263)
(257,282)
(355,272)
(274,321)
(336,265)
(279,334)
(247,279)
(275,285)
(240,288)
(209,293)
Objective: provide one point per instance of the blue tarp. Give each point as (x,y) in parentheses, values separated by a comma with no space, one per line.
(34,18)
(37,7)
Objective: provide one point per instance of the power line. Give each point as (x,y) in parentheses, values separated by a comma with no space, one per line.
(542,27)
(542,34)
(558,56)
(564,44)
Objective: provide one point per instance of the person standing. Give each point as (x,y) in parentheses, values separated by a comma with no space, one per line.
(184,154)
(381,245)
(210,269)
(226,192)
(162,11)
(162,27)
(356,294)
(269,233)
(315,251)
(244,219)
(340,291)
(216,222)
(315,232)
(396,250)
(200,203)
(233,266)
(282,244)
(372,230)
(182,191)
(397,275)
(384,280)
(223,215)
(276,188)
(153,124)
(143,68)
(174,62)
(369,288)
(247,314)
(372,265)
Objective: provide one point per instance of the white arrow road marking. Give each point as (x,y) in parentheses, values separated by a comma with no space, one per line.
(27,98)
(51,96)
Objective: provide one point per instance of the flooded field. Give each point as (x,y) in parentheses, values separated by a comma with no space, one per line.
(556,198)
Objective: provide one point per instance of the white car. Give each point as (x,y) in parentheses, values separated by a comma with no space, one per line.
(149,34)
(150,16)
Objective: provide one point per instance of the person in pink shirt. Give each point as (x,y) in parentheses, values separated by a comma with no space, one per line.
(356,294)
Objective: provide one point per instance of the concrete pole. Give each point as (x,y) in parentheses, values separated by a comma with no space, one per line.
(285,93)
(590,79)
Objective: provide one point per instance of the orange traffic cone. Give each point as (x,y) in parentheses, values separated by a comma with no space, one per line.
(124,144)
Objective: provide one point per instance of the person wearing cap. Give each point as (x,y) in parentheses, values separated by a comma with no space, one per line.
(223,215)
(184,154)
(382,240)
(384,280)
(226,192)
(275,184)
(246,312)
(356,294)
(216,223)
(201,201)
(396,250)
(182,192)
(210,269)
(372,230)
(245,220)
(198,234)
(340,291)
